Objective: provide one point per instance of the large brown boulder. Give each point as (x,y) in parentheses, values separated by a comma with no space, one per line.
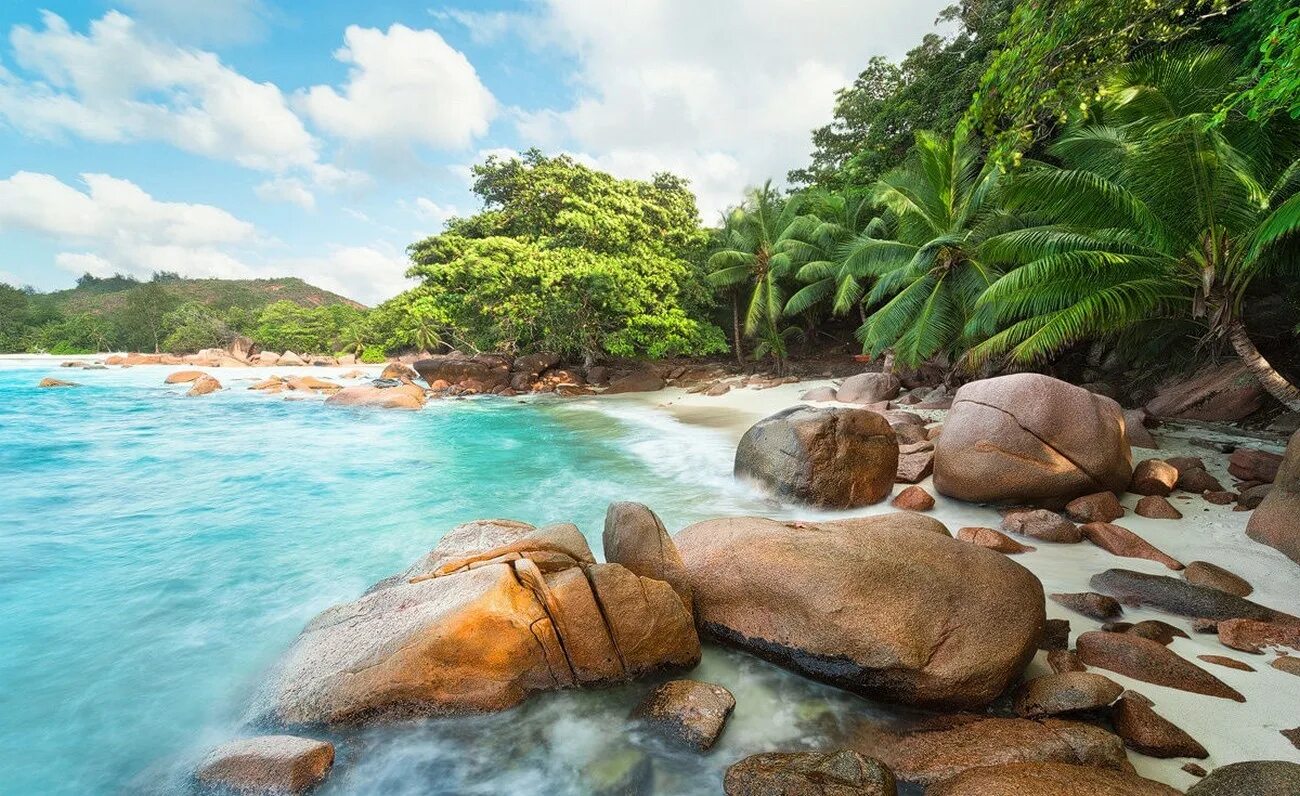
(827,457)
(868,388)
(404,396)
(637,381)
(687,712)
(489,370)
(498,611)
(267,764)
(1224,392)
(1151,662)
(841,773)
(889,606)
(636,538)
(1029,438)
(1049,779)
(1276,522)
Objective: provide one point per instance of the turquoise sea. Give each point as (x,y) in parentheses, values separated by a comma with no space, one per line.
(158,553)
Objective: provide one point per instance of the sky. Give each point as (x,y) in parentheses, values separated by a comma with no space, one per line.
(318,138)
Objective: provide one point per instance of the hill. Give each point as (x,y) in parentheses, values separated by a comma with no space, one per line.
(102,296)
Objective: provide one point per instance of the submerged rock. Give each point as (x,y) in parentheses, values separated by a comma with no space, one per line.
(829,457)
(1151,662)
(1049,779)
(498,611)
(888,606)
(1028,438)
(203,385)
(405,396)
(267,764)
(842,773)
(1276,522)
(50,381)
(687,711)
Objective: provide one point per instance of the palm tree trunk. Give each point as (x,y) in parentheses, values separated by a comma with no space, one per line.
(1272,381)
(735,328)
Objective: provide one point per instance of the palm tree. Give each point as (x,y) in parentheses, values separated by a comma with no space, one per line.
(925,252)
(1159,212)
(755,254)
(830,220)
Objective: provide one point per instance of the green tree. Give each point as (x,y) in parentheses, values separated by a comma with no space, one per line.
(142,318)
(1270,32)
(1157,213)
(193,327)
(928,264)
(13,319)
(829,223)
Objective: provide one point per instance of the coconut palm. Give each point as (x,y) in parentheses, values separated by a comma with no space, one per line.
(755,255)
(828,222)
(925,253)
(1159,212)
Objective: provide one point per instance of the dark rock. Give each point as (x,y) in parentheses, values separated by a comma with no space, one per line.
(1071,692)
(1056,635)
(1250,498)
(1139,436)
(842,773)
(1155,630)
(1222,392)
(1061,661)
(1256,778)
(1249,464)
(1194,769)
(1029,438)
(1276,522)
(1180,597)
(1182,463)
(638,381)
(1151,662)
(1090,604)
(1203,573)
(1198,481)
(1146,731)
(1219,498)
(1042,524)
(827,457)
(1292,735)
(687,711)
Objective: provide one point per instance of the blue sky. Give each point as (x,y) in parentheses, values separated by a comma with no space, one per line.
(255,138)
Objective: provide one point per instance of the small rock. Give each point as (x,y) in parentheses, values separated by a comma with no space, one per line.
(1097,507)
(687,711)
(625,771)
(914,467)
(1157,508)
(53,382)
(204,385)
(184,377)
(1180,597)
(399,371)
(819,394)
(717,390)
(1202,625)
(1146,731)
(1151,662)
(1250,498)
(1153,629)
(868,388)
(1256,778)
(1293,736)
(1056,635)
(1182,463)
(1194,769)
(1139,436)
(993,539)
(1249,464)
(1219,498)
(268,764)
(1286,663)
(1042,524)
(1055,694)
(1091,604)
(1061,661)
(913,498)
(809,774)
(1203,573)
(1153,477)
(1249,635)
(1198,481)
(1123,542)
(1224,660)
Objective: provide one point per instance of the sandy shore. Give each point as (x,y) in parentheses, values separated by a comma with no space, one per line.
(1232,732)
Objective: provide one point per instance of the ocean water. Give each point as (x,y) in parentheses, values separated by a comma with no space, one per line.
(158,553)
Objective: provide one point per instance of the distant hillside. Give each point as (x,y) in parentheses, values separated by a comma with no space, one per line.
(102,296)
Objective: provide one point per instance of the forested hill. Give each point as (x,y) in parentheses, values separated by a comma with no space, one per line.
(102,296)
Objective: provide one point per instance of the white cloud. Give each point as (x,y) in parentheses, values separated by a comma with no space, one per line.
(405,86)
(724,92)
(286,189)
(485,27)
(369,274)
(117,84)
(203,21)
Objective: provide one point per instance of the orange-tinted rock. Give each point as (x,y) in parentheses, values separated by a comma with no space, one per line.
(1146,731)
(283,764)
(1203,573)
(1069,692)
(913,498)
(50,381)
(1090,603)
(312,383)
(1151,662)
(184,376)
(993,540)
(826,457)
(1123,542)
(1223,660)
(841,773)
(1276,522)
(485,370)
(1286,663)
(1097,507)
(1153,476)
(1049,779)
(1157,508)
(1029,438)
(688,712)
(636,538)
(398,371)
(955,744)
(919,617)
(1249,635)
(404,396)
(203,385)
(1042,524)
